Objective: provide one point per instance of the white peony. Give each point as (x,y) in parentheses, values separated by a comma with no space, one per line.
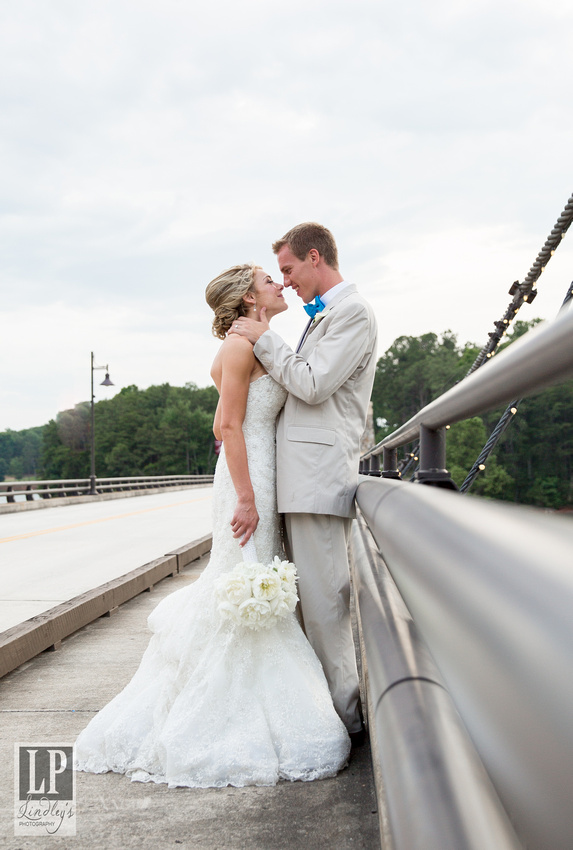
(285,570)
(256,596)
(289,584)
(255,613)
(266,585)
(279,606)
(281,566)
(228,611)
(236,588)
(250,570)
(291,599)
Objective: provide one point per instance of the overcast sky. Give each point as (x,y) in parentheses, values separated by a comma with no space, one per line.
(148,144)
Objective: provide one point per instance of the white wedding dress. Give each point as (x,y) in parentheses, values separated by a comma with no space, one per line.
(214,703)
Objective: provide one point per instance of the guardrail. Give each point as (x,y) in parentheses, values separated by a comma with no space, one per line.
(542,357)
(58,488)
(433,791)
(490,589)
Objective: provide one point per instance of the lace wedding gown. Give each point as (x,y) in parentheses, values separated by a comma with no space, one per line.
(214,703)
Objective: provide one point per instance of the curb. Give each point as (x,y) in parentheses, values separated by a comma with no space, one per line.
(47,630)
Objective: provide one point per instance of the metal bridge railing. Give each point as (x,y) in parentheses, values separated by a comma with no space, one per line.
(61,487)
(434,792)
(485,590)
(542,357)
(489,587)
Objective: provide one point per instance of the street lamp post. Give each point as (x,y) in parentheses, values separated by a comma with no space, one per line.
(105,383)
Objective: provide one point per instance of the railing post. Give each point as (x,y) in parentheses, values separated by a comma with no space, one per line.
(370,466)
(433,459)
(375,466)
(390,463)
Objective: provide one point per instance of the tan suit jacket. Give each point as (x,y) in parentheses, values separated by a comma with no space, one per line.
(329,382)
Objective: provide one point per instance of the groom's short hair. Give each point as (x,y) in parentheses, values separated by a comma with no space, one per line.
(301,238)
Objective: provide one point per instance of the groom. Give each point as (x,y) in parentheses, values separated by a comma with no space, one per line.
(329,380)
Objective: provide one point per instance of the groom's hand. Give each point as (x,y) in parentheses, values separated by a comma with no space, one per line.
(251,328)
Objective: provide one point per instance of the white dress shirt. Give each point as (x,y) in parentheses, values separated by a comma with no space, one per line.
(328,296)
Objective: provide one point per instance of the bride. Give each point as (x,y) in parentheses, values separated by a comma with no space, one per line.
(214,702)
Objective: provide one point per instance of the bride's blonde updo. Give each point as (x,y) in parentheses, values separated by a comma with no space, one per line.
(225,296)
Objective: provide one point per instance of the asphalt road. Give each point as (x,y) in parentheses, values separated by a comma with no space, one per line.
(49,556)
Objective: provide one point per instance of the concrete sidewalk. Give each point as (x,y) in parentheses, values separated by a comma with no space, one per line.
(52,697)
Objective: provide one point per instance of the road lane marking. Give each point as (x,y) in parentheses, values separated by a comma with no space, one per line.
(95,521)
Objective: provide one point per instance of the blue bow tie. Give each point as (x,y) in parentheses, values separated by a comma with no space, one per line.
(316,306)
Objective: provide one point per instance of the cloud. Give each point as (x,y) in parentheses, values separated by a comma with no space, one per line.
(147,146)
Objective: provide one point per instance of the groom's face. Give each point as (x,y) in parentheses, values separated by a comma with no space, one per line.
(300,275)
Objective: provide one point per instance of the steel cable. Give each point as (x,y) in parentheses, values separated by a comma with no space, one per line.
(504,421)
(522,293)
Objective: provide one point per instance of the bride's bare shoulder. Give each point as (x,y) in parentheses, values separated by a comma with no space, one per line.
(235,346)
(237,343)
(236,353)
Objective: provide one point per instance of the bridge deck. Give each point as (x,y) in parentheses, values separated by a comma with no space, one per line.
(50,556)
(52,697)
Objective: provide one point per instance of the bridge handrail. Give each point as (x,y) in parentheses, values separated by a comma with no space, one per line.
(422,755)
(490,588)
(542,357)
(49,488)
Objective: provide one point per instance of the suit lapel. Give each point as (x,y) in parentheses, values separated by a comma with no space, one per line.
(303,337)
(314,323)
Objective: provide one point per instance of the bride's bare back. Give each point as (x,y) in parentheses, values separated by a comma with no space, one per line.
(235,350)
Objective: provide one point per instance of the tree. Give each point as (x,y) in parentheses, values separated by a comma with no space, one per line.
(532,462)
(74,427)
(537,448)
(168,430)
(413,371)
(59,460)
(20,453)
(465,441)
(159,431)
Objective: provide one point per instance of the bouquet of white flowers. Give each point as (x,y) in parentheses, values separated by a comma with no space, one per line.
(255,595)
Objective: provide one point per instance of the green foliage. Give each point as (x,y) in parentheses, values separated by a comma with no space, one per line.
(412,372)
(163,430)
(465,440)
(168,430)
(519,328)
(20,453)
(537,448)
(64,453)
(533,461)
(547,492)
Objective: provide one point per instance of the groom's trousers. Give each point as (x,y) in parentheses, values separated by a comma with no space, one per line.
(318,545)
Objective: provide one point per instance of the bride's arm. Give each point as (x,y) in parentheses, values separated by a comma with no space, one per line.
(217,422)
(237,365)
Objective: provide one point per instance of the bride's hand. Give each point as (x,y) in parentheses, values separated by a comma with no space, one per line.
(245,520)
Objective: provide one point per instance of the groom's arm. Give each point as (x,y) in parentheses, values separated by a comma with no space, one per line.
(314,377)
